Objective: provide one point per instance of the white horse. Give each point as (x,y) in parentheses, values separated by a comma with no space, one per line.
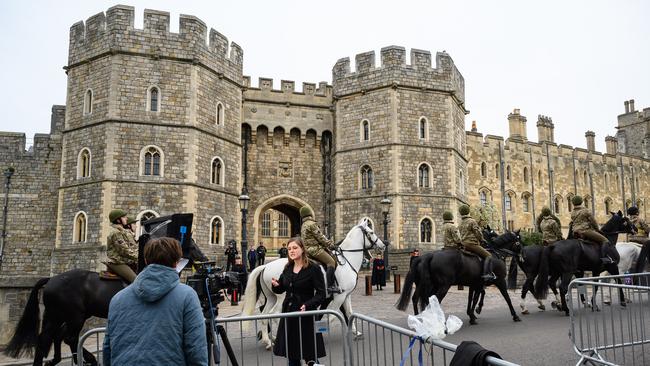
(629,253)
(349,256)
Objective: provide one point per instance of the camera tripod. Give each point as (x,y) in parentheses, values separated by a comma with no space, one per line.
(213,341)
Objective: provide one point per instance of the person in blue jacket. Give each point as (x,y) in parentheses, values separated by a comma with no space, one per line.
(156,320)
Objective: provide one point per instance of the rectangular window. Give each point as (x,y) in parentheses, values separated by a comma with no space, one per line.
(525,204)
(511,225)
(156,164)
(266,224)
(283,226)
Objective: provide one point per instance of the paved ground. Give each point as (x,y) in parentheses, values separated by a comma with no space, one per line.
(540,339)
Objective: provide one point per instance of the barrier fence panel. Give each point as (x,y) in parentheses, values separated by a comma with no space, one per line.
(92,341)
(605,330)
(383,344)
(242,335)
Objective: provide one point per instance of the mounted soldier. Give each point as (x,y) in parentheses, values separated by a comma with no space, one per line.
(471,239)
(549,225)
(585,226)
(640,237)
(121,248)
(318,246)
(450,231)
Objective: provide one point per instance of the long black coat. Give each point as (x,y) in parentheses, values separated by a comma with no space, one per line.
(305,287)
(378,272)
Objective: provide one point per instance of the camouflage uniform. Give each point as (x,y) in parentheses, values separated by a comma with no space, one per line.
(642,228)
(550,230)
(122,252)
(315,242)
(585,225)
(471,237)
(451,235)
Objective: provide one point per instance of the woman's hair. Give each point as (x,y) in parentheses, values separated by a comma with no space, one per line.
(163,251)
(301,244)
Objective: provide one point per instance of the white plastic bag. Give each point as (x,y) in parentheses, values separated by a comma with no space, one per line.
(431,322)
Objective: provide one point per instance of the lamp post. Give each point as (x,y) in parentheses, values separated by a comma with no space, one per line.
(243,206)
(385,208)
(7,173)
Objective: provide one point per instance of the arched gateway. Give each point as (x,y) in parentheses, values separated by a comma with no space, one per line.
(285,204)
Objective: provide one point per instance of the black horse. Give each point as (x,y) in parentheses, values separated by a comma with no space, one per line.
(566,258)
(69,298)
(435,272)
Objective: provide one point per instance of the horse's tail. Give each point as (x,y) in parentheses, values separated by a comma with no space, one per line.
(541,283)
(26,334)
(407,290)
(253,290)
(512,273)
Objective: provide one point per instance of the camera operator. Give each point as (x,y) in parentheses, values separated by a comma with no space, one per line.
(156,320)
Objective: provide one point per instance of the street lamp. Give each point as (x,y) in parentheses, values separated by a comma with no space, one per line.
(385,208)
(7,173)
(243,206)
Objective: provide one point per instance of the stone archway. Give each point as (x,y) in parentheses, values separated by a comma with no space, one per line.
(284,203)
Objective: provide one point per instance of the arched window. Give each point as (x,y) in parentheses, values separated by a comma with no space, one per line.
(525,201)
(526,175)
(367,179)
(569,202)
(141,217)
(426,230)
(483,197)
(423,176)
(508,200)
(153,99)
(88,102)
(283,225)
(496,171)
(608,205)
(556,203)
(83,164)
(365,130)
(216,231)
(508,174)
(266,223)
(152,161)
(423,128)
(79,228)
(219,114)
(216,177)
(483,170)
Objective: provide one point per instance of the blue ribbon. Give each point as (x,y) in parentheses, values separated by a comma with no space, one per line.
(408,351)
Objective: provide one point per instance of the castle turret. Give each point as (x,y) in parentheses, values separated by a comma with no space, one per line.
(545,129)
(517,124)
(591,140)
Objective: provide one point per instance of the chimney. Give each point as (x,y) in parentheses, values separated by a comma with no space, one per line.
(591,143)
(545,128)
(632,110)
(517,124)
(611,145)
(474,129)
(627,106)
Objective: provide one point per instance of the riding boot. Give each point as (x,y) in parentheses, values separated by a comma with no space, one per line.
(332,286)
(488,275)
(604,257)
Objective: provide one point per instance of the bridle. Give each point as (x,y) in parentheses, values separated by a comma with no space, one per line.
(366,238)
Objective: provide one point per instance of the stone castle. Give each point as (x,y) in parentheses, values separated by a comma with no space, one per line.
(157,122)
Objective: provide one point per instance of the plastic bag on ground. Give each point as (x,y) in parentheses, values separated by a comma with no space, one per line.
(431,322)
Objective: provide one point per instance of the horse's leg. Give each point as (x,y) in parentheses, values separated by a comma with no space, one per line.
(347,307)
(57,340)
(442,292)
(470,308)
(269,308)
(524,291)
(479,309)
(564,288)
(552,283)
(71,338)
(503,288)
(415,298)
(45,338)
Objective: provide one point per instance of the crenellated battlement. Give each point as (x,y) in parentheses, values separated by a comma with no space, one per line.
(288,86)
(114,32)
(394,70)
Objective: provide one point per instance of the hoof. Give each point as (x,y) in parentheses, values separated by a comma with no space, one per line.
(525,312)
(541,307)
(554,304)
(472,322)
(624,304)
(478,310)
(516,318)
(268,347)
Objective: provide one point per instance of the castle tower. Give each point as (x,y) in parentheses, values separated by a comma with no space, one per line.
(517,124)
(399,131)
(545,129)
(634,131)
(147,108)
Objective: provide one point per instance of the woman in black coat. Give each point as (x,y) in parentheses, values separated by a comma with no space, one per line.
(378,272)
(303,282)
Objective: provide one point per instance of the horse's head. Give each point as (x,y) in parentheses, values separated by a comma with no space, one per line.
(510,240)
(489,234)
(192,252)
(618,224)
(371,240)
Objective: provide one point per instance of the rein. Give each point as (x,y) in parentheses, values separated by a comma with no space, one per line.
(338,251)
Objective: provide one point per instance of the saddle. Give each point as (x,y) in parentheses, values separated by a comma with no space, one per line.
(109,275)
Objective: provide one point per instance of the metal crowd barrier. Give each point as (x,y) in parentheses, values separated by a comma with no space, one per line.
(96,347)
(380,343)
(386,344)
(611,334)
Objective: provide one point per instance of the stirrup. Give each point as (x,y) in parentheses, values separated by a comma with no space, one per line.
(489,276)
(334,290)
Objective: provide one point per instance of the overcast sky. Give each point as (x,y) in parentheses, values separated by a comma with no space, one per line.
(576,61)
